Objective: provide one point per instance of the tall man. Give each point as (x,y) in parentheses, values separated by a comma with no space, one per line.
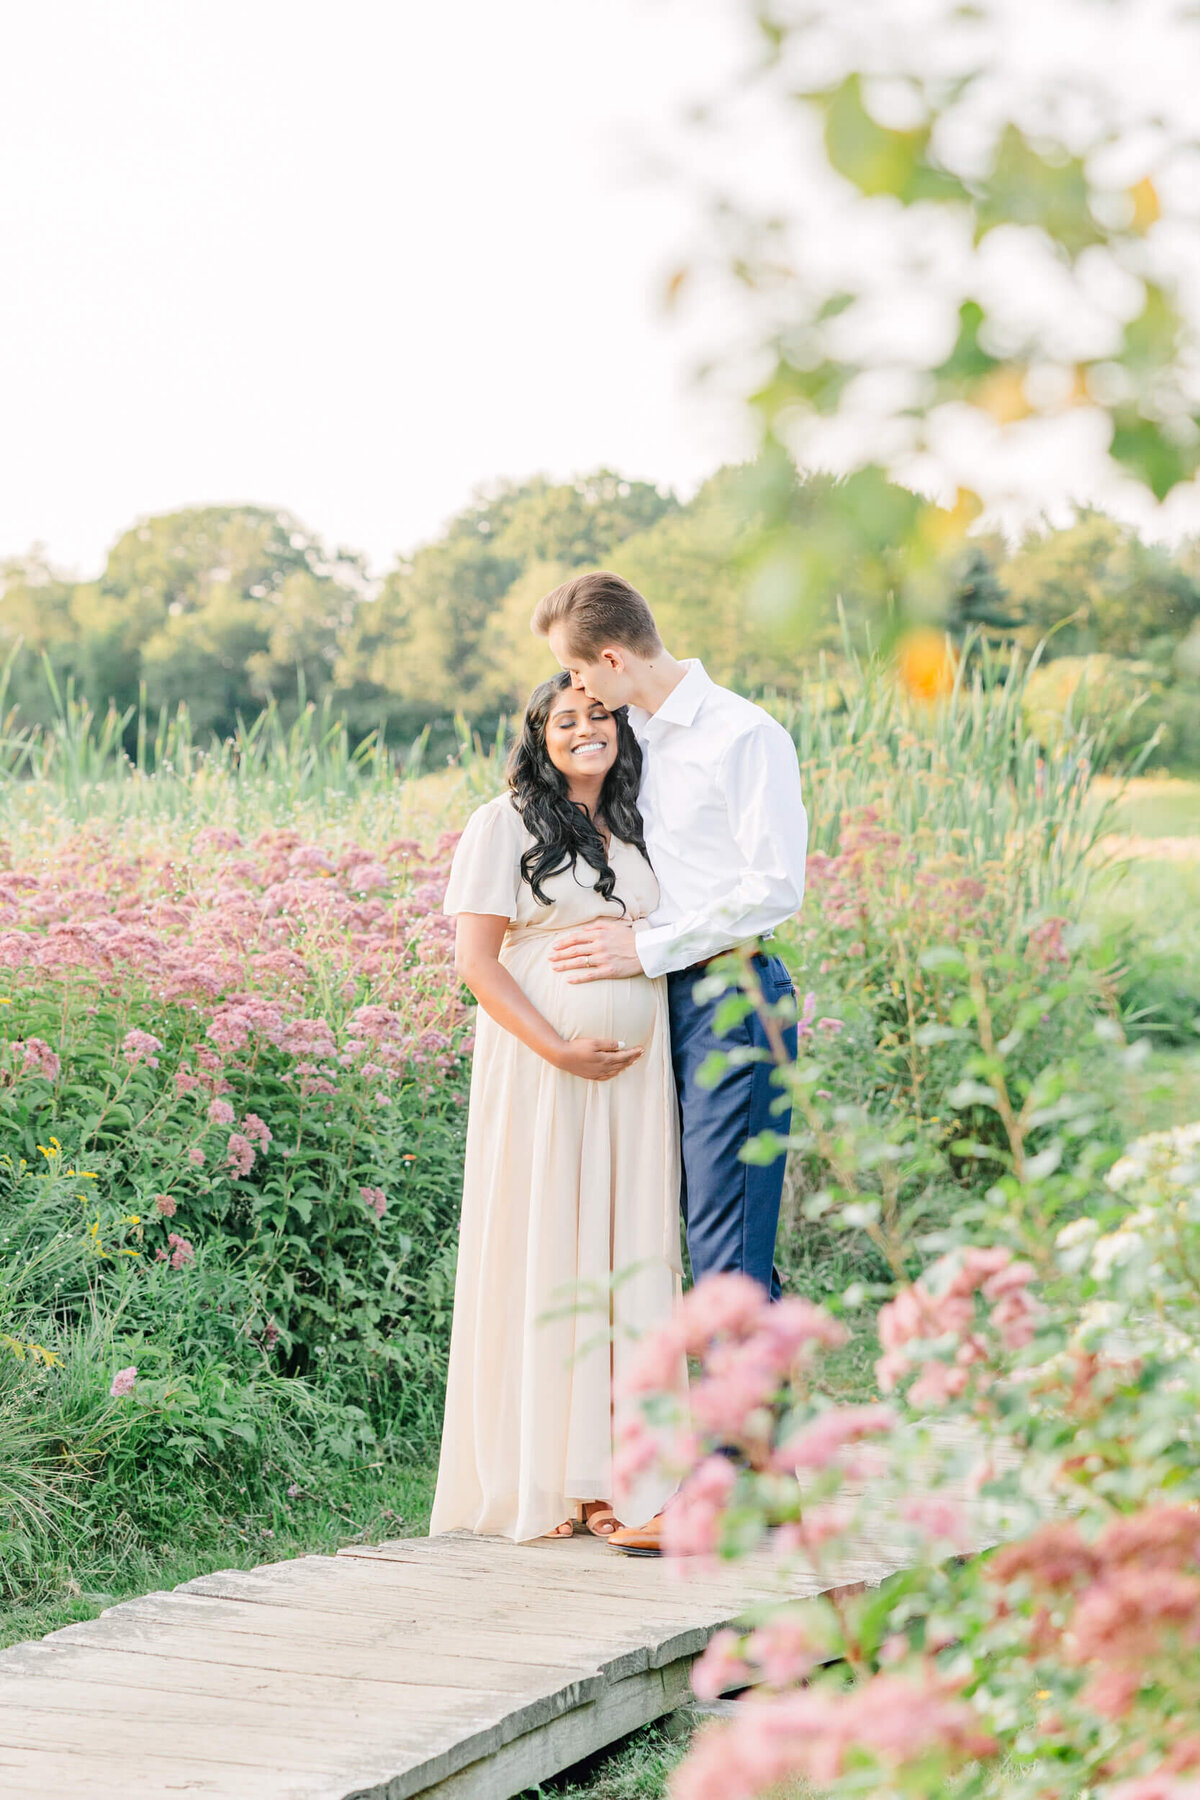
(727,833)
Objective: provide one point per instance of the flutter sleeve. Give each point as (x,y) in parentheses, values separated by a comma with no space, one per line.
(485,876)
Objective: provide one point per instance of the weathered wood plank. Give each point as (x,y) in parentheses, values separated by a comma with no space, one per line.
(303,1657)
(534,1757)
(183,1613)
(130,1775)
(338,1693)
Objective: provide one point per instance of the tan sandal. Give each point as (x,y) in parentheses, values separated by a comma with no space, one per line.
(601,1521)
(565,1530)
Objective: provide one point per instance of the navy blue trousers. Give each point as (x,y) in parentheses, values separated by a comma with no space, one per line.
(730,1208)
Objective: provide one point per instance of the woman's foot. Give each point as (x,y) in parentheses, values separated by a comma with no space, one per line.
(600,1518)
(565,1530)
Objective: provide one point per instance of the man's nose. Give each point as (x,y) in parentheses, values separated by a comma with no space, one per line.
(577,684)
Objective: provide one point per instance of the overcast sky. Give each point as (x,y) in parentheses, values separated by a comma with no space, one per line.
(348,259)
(356,259)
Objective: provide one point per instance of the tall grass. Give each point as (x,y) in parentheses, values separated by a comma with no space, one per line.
(82,767)
(966,773)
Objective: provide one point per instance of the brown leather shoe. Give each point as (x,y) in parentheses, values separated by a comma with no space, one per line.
(639,1540)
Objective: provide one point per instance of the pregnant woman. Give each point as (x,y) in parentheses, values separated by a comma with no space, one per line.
(569,1244)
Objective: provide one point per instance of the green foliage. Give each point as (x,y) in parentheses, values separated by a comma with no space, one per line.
(955,186)
(289,661)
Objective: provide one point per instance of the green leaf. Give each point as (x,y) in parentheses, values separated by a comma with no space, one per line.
(877,159)
(1158,459)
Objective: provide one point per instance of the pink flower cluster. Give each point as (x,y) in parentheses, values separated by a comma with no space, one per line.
(35,1057)
(241,933)
(1044,945)
(816,1733)
(778,1654)
(375,1199)
(1118,1604)
(754,1356)
(239,1153)
(881,878)
(141,1046)
(940,1313)
(182,1253)
(123,1383)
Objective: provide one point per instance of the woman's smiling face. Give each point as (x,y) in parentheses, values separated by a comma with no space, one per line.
(581,737)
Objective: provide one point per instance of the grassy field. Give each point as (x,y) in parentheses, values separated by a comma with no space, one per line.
(1153,805)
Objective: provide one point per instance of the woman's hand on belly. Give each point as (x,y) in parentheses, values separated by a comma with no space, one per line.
(596,1059)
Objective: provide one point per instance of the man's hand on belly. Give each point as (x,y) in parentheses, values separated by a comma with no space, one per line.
(601,951)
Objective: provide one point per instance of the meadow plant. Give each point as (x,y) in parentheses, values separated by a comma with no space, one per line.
(239,1040)
(1048,1402)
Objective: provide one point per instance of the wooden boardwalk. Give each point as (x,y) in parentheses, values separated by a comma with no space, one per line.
(459,1667)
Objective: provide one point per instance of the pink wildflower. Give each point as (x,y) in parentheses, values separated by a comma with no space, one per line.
(656,1362)
(309,1037)
(636,1450)
(815,1732)
(937,1384)
(122,1383)
(196,1157)
(164,1204)
(1055,1556)
(819,1524)
(784,1650)
(1045,944)
(721,1667)
(1159,1537)
(365,876)
(690,1522)
(239,1153)
(254,1128)
(220,1112)
(718,1306)
(141,1046)
(936,1517)
(37,1058)
(182,1253)
(819,1442)
(374,1199)
(1131,1614)
(739,1379)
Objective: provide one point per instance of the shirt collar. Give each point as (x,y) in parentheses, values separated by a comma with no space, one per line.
(683,702)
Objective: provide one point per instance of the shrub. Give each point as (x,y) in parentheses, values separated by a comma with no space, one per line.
(259,1047)
(1065,1662)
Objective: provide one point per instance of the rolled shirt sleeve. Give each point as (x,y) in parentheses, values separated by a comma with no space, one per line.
(760,779)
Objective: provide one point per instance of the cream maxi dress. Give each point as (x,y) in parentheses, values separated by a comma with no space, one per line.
(569,1244)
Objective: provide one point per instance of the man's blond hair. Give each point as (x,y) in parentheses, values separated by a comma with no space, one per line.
(598,609)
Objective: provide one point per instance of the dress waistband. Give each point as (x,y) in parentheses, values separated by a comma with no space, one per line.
(519,931)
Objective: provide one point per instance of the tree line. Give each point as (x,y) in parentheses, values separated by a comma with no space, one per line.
(226,607)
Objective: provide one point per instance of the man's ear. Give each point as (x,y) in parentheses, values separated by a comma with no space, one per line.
(614,658)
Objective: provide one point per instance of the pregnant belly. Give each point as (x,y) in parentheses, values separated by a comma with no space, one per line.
(624,1010)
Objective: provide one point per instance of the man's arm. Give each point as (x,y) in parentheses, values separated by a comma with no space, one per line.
(761,782)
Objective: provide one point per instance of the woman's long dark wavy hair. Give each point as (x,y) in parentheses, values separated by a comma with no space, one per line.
(561,828)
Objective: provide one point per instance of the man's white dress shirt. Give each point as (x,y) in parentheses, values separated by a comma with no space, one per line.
(725,823)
